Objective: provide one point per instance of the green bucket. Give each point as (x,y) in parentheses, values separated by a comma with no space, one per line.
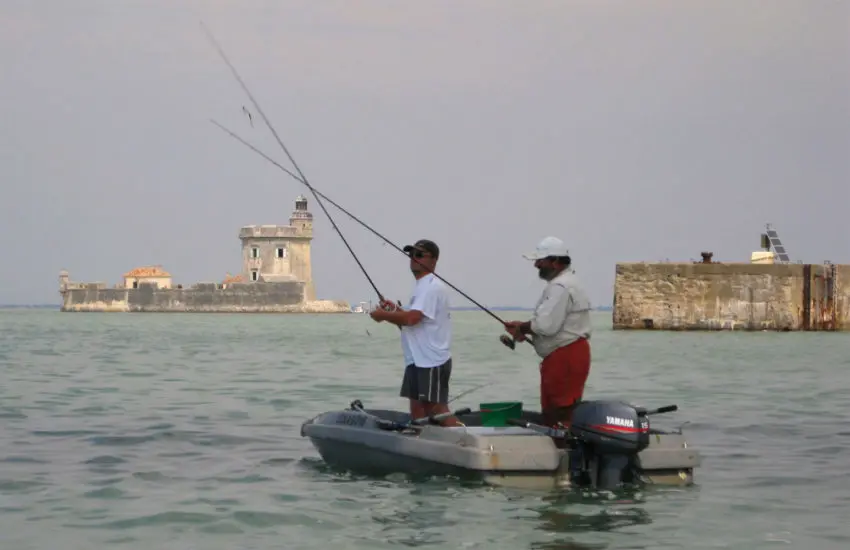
(497,414)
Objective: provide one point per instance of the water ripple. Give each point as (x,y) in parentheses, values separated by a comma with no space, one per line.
(142,430)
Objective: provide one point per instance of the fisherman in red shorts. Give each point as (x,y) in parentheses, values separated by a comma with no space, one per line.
(561,329)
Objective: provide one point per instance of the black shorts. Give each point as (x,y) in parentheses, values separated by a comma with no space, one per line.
(430,385)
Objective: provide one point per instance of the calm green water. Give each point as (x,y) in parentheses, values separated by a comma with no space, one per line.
(182,431)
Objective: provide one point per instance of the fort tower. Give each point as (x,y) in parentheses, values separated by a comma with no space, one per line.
(278,253)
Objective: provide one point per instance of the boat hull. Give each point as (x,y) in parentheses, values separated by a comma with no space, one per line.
(505,456)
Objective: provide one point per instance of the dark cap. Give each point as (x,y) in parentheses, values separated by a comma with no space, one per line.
(426,246)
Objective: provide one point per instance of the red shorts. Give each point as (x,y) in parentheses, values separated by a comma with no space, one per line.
(563,374)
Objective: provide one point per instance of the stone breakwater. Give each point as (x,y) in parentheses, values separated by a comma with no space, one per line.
(719,296)
(286,297)
(318,306)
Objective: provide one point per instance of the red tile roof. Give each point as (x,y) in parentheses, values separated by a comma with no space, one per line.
(147,271)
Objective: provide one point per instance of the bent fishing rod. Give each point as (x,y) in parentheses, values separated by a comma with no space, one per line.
(352,216)
(504,338)
(302,178)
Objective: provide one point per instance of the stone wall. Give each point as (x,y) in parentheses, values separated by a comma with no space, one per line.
(716,296)
(284,297)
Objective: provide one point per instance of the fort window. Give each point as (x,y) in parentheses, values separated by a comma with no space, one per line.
(255,275)
(281,252)
(135,284)
(255,252)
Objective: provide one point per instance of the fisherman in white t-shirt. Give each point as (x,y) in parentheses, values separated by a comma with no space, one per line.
(426,335)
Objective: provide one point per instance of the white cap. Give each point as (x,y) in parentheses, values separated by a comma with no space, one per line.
(549,246)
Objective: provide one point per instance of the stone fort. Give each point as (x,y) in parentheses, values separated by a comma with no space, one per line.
(276,277)
(769,293)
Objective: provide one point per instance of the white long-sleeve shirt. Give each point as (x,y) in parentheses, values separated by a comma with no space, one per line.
(562,314)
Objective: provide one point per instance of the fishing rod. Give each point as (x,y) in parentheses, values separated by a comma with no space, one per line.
(303,178)
(504,338)
(467,392)
(352,216)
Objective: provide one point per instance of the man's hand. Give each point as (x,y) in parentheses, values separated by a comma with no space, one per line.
(388,305)
(378,315)
(513,328)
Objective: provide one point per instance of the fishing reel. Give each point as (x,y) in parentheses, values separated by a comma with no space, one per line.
(388,307)
(510,342)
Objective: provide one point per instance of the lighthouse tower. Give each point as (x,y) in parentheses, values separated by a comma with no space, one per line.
(280,253)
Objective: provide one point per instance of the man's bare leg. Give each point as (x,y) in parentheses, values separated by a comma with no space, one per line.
(418,409)
(441,408)
(421,409)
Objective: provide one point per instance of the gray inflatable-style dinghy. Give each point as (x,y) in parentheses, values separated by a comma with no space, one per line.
(608,444)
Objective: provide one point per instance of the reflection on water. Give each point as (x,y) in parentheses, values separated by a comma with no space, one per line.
(421,511)
(565,515)
(577,511)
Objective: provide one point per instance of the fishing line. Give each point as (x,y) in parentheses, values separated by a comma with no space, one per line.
(504,338)
(303,178)
(467,392)
(353,217)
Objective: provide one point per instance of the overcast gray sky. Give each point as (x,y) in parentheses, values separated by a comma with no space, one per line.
(632,130)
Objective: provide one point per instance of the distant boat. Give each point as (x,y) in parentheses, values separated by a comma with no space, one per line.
(362,307)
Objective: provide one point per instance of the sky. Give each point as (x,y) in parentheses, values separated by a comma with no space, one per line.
(634,131)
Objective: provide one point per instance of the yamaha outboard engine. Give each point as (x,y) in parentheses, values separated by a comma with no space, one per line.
(608,436)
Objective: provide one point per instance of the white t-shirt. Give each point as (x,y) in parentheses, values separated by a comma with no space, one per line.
(428,342)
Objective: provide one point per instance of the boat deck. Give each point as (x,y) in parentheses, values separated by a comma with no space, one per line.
(492,430)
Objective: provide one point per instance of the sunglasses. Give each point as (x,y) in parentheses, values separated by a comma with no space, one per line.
(418,254)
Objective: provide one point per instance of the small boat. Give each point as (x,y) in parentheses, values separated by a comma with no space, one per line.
(608,444)
(362,307)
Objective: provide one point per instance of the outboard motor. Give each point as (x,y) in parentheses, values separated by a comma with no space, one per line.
(608,435)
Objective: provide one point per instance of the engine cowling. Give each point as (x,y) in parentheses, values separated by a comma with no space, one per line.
(610,426)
